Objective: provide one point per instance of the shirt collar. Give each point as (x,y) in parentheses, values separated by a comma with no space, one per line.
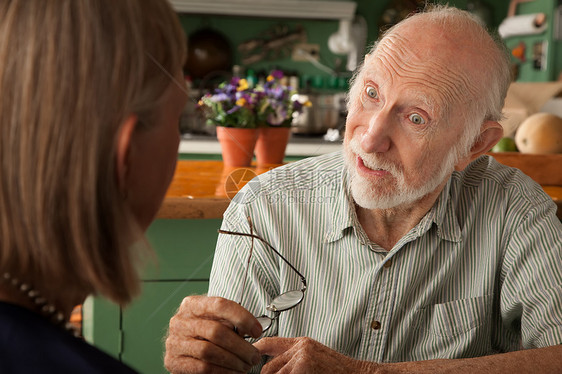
(443,214)
(343,208)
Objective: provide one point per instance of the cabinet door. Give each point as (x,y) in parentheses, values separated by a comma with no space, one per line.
(145,322)
(544,44)
(184,248)
(101,325)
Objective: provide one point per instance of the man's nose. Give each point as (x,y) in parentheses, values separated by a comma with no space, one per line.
(376,138)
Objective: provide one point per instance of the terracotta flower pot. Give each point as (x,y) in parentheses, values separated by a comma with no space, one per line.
(271,145)
(237,145)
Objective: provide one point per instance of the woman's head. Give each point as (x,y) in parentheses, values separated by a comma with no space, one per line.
(73,74)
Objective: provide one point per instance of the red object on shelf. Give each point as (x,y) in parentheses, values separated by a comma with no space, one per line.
(271,145)
(237,145)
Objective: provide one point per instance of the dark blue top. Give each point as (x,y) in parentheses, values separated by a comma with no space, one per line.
(31,344)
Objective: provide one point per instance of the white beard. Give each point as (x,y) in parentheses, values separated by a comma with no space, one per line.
(370,197)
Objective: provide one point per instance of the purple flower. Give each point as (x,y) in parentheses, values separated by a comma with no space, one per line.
(235,104)
(278,93)
(219,97)
(233,109)
(250,99)
(277,74)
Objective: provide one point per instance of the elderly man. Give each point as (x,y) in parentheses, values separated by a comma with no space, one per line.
(419,253)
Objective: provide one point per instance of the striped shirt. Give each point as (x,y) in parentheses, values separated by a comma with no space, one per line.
(480,274)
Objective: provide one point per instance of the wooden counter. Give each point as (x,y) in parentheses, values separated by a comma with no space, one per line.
(203,189)
(544,169)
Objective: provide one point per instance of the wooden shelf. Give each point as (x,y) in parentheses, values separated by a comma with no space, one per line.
(546,170)
(199,189)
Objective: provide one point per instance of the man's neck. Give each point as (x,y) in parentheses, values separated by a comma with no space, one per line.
(386,227)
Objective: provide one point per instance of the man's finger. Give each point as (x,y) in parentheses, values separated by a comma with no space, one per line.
(214,332)
(204,351)
(188,365)
(221,309)
(274,346)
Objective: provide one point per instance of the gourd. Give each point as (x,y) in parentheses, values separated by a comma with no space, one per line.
(540,133)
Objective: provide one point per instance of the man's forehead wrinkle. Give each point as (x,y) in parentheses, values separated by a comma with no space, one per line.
(396,56)
(400,46)
(424,78)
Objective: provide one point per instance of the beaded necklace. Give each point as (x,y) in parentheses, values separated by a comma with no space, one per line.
(42,305)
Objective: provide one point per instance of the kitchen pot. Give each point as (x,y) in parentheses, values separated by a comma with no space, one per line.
(208,51)
(326,112)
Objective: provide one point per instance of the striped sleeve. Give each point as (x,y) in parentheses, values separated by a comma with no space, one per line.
(532,278)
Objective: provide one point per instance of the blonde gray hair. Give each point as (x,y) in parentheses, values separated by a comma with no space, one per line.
(71,71)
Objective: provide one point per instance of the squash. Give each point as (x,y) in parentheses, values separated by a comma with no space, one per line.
(540,133)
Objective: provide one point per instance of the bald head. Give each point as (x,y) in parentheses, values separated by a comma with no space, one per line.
(460,36)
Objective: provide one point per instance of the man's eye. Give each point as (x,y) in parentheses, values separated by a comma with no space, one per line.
(371,92)
(416,119)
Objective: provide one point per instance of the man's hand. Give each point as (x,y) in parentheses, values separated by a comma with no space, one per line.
(202,339)
(305,355)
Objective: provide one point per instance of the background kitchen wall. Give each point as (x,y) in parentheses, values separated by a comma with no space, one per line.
(237,30)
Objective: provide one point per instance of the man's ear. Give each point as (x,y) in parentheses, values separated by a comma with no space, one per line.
(490,133)
(123,158)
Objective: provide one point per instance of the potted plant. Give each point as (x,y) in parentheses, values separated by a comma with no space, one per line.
(231,107)
(275,108)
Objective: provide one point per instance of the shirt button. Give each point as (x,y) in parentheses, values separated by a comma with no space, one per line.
(388,264)
(375,325)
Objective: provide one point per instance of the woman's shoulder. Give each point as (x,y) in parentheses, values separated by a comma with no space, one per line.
(29,344)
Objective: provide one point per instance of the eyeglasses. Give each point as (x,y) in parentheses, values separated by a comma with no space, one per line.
(281,303)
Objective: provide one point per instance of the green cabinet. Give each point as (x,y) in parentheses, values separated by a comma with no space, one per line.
(542,60)
(135,334)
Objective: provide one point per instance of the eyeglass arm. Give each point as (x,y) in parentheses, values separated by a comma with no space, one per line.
(303,280)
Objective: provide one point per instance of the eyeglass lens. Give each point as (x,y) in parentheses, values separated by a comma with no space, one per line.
(281,303)
(286,301)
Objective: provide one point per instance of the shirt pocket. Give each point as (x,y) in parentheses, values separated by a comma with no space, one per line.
(455,317)
(455,329)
